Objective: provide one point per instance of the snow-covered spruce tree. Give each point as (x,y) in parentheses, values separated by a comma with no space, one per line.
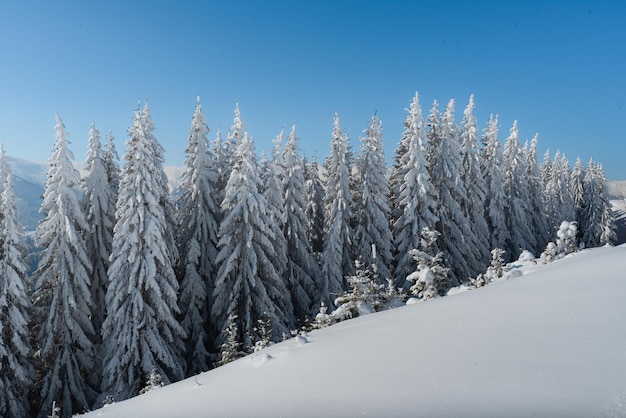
(230,348)
(364,296)
(302,268)
(248,283)
(457,241)
(272,176)
(566,242)
(16,370)
(415,197)
(97,204)
(314,195)
(337,257)
(224,151)
(140,331)
(373,231)
(517,213)
(164,197)
(223,165)
(577,186)
(196,238)
(494,271)
(62,297)
(536,204)
(112,168)
(559,200)
(473,201)
(599,227)
(264,332)
(493,173)
(431,277)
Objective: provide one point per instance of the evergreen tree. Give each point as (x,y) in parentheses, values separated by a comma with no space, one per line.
(373,234)
(577,186)
(431,277)
(515,189)
(559,200)
(493,173)
(97,204)
(302,268)
(112,168)
(337,257)
(16,370)
(163,194)
(63,296)
(196,238)
(141,332)
(230,348)
(272,176)
(416,197)
(473,201)
(536,203)
(456,240)
(314,212)
(248,283)
(599,227)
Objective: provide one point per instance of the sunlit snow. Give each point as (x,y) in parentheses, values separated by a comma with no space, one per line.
(548,341)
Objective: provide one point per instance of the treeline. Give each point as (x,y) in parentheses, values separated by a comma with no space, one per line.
(136,283)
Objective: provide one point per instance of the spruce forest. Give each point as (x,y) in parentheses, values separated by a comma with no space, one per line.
(138,286)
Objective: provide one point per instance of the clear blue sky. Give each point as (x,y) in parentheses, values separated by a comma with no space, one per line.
(558,67)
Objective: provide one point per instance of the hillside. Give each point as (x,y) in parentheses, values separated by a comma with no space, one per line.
(548,342)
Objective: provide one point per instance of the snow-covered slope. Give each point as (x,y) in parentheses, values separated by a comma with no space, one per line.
(551,342)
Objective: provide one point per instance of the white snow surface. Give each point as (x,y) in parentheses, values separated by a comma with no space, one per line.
(549,341)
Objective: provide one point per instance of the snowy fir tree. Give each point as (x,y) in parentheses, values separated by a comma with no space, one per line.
(314,212)
(416,197)
(364,296)
(272,176)
(372,210)
(63,296)
(536,203)
(223,165)
(263,330)
(141,331)
(457,241)
(302,268)
(599,226)
(154,381)
(248,283)
(97,204)
(473,200)
(517,213)
(112,168)
(494,271)
(577,187)
(230,348)
(16,370)
(337,257)
(196,237)
(557,192)
(566,242)
(431,276)
(493,174)
(163,195)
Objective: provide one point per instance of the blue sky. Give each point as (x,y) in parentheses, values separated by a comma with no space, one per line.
(558,67)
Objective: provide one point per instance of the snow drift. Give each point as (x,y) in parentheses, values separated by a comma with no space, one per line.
(548,342)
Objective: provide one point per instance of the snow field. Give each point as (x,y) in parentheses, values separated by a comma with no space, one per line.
(550,342)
